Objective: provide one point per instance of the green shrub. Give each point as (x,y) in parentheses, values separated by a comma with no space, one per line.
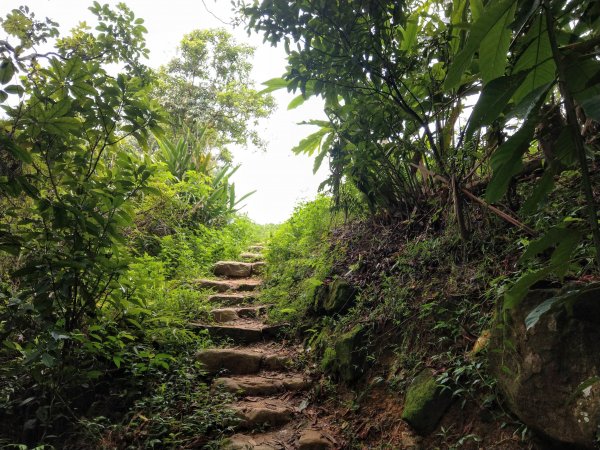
(297,259)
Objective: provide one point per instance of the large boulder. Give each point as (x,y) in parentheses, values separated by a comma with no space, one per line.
(341,296)
(546,356)
(335,297)
(347,357)
(425,403)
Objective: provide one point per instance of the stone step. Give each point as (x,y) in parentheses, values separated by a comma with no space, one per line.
(254,442)
(263,384)
(241,361)
(247,284)
(251,257)
(231,314)
(215,285)
(232,269)
(284,438)
(237,269)
(231,299)
(244,331)
(258,248)
(263,412)
(314,440)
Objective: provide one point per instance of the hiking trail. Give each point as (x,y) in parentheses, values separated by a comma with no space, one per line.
(262,368)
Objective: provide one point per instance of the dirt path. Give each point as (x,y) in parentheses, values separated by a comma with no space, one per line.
(265,372)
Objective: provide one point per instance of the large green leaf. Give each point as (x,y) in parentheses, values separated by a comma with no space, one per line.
(492,14)
(567,299)
(583,78)
(564,147)
(517,291)
(296,101)
(493,99)
(476,9)
(506,162)
(549,239)
(409,34)
(274,84)
(537,58)
(7,70)
(312,142)
(540,192)
(493,50)
(535,314)
(456,20)
(14,149)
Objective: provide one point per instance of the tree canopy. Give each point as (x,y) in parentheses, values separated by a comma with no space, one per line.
(207,89)
(460,93)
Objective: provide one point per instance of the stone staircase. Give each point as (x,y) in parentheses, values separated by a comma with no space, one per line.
(273,403)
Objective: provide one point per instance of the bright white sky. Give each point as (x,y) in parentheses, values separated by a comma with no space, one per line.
(280,177)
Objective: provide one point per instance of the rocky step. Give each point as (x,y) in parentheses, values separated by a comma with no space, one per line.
(231,314)
(241,285)
(241,361)
(263,412)
(258,267)
(237,269)
(256,248)
(241,331)
(231,299)
(263,384)
(251,257)
(281,439)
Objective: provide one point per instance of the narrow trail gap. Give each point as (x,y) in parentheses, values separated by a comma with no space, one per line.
(260,367)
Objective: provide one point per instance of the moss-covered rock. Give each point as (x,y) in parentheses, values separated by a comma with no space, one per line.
(319,296)
(340,297)
(350,354)
(425,403)
(328,362)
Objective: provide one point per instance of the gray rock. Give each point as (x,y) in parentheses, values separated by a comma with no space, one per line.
(243,333)
(240,362)
(230,314)
(216,285)
(258,267)
(313,440)
(234,361)
(257,385)
(231,299)
(549,372)
(233,269)
(263,413)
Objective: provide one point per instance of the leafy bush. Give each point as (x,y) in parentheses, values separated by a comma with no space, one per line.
(97,243)
(296,260)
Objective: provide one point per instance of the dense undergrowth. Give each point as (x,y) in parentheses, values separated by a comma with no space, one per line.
(116,191)
(425,300)
(111,204)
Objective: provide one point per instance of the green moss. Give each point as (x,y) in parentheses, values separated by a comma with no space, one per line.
(350,352)
(329,359)
(317,292)
(340,298)
(425,403)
